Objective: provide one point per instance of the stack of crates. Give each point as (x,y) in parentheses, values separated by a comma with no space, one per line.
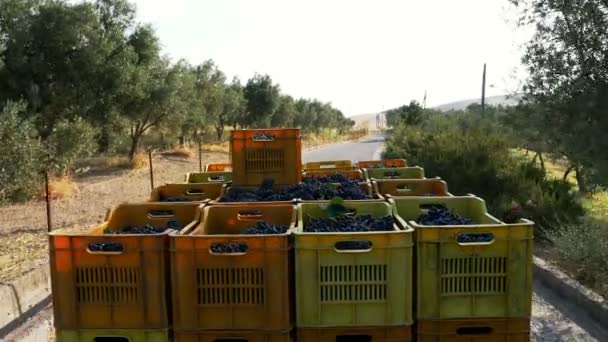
(109,286)
(227,285)
(204,280)
(355,285)
(473,282)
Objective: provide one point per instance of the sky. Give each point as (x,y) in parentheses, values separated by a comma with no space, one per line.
(362,56)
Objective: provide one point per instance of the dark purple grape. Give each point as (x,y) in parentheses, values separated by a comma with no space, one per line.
(440,215)
(350,223)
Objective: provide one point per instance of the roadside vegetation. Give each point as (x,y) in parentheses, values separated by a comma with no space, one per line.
(84,79)
(547,155)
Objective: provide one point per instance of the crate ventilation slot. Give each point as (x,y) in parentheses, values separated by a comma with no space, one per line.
(474,275)
(265,159)
(108,285)
(230,286)
(353,283)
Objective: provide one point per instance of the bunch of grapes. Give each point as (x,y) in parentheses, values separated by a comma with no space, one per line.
(350,223)
(311,189)
(264,228)
(174,199)
(440,215)
(146,229)
(229,247)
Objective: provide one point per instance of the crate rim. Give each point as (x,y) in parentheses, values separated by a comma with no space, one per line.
(400,226)
(202,212)
(196,219)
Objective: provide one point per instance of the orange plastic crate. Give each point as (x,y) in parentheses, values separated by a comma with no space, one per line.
(266,153)
(368,164)
(218,167)
(388,188)
(478,330)
(233,336)
(122,289)
(240,291)
(367,334)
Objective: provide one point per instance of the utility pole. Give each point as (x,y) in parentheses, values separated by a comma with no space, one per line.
(483,90)
(424,100)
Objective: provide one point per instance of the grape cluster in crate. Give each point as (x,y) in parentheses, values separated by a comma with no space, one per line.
(269,249)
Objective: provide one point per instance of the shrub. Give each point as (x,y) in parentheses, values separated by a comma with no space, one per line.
(20,155)
(584,247)
(69,140)
(473,156)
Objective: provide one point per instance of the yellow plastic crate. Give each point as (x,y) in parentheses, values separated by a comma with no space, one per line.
(209,177)
(388,188)
(328,164)
(338,287)
(383,163)
(187,192)
(411,172)
(459,279)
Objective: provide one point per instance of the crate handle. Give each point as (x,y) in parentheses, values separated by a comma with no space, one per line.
(263,137)
(105,248)
(390,174)
(249,215)
(328,166)
(353,246)
(354,338)
(110,339)
(228,248)
(160,214)
(475,239)
(216,178)
(194,192)
(474,331)
(405,189)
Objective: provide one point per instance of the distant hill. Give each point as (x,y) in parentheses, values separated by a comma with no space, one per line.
(369,120)
(510,100)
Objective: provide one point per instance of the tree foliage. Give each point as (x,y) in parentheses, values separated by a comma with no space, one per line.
(89,77)
(567,90)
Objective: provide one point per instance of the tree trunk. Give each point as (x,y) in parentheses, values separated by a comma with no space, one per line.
(104,139)
(568,171)
(220,132)
(134,146)
(541,160)
(182,141)
(580,180)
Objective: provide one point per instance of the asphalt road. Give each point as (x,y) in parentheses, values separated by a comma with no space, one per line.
(553,317)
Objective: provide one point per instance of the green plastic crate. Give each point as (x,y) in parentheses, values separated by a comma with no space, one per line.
(412,172)
(341,288)
(470,280)
(92,335)
(209,177)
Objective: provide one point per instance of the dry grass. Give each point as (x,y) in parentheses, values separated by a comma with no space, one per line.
(63,187)
(217,147)
(106,162)
(180,152)
(140,160)
(23,240)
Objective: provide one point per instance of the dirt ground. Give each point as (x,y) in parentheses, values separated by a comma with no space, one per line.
(23,228)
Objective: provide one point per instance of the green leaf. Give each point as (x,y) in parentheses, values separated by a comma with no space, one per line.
(336,207)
